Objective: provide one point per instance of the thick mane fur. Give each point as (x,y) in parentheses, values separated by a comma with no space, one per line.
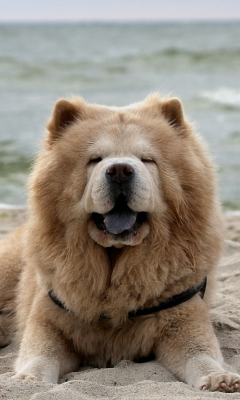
(184,239)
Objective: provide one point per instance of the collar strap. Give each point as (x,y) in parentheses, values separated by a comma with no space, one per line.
(172,301)
(169,303)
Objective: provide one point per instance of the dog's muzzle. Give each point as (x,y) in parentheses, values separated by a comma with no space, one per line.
(121,218)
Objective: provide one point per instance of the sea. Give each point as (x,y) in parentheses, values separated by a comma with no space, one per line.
(116,64)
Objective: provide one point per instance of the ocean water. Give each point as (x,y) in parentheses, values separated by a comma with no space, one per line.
(116,64)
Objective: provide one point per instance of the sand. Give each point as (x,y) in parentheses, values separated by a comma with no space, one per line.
(128,380)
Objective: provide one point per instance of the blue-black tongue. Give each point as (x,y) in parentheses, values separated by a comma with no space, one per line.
(121,218)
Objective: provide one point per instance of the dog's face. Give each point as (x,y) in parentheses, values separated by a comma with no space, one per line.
(122,187)
(115,169)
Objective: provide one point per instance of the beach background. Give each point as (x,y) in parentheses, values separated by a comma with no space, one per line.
(116,64)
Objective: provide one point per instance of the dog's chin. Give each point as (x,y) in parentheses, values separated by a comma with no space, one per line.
(128,237)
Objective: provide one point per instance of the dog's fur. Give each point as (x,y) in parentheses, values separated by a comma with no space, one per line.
(123,214)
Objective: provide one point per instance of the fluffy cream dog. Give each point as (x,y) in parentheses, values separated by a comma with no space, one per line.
(124,227)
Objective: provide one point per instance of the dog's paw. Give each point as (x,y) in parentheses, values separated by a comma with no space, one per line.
(224,381)
(39,368)
(26,377)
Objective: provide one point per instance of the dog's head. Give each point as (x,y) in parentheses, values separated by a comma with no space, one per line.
(118,170)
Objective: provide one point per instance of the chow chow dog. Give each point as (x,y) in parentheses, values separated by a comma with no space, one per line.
(124,232)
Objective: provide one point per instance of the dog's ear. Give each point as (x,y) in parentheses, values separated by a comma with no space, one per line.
(171,109)
(65,113)
(173,112)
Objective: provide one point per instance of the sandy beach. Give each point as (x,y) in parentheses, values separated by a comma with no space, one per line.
(128,380)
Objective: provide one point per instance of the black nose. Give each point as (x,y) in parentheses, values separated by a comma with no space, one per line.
(120,172)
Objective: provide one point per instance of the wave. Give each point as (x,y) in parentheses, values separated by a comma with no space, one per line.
(225,97)
(5,206)
(195,55)
(43,65)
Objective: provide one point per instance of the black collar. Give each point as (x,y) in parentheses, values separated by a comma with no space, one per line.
(173,301)
(169,303)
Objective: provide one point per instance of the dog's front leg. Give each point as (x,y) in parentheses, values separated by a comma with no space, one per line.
(44,354)
(188,347)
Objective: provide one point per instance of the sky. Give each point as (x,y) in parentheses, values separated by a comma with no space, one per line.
(118,10)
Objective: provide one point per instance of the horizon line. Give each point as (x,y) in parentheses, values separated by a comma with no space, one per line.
(120,21)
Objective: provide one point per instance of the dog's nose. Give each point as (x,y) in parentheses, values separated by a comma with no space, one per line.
(120,172)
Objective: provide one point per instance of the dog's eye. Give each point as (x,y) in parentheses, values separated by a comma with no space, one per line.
(147,160)
(95,160)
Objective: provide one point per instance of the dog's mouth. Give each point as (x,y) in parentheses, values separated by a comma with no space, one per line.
(121,220)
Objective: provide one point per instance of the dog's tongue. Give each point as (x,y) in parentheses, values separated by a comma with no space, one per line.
(120,219)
